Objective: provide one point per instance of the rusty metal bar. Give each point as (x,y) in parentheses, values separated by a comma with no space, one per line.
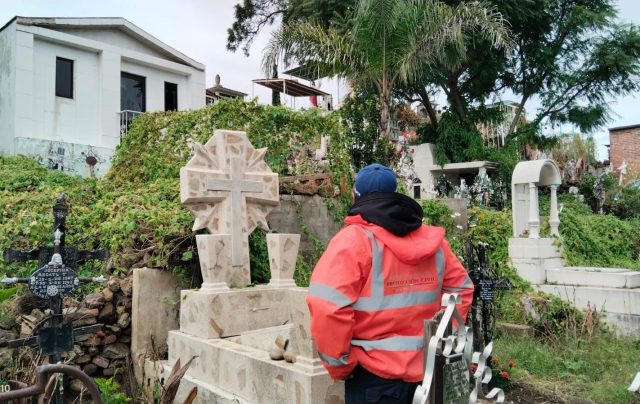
(42,375)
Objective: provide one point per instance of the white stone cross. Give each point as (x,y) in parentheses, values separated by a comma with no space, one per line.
(229,188)
(236,185)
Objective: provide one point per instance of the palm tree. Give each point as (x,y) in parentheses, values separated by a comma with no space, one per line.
(389,44)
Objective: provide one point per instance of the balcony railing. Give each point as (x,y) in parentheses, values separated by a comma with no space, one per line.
(126,117)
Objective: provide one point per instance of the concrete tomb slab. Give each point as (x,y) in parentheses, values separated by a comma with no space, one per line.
(586,276)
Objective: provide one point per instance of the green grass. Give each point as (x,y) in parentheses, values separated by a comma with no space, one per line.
(600,370)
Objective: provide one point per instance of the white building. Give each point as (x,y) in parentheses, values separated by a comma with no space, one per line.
(65,82)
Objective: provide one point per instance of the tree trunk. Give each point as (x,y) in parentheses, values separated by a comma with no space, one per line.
(454,98)
(431,112)
(275,95)
(516,117)
(385,109)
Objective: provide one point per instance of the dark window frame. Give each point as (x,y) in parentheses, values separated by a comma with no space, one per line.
(62,90)
(144,88)
(175,101)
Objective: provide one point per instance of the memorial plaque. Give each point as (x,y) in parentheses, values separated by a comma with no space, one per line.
(53,279)
(456,382)
(487,288)
(56,340)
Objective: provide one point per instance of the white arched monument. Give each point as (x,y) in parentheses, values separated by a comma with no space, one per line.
(527,177)
(531,254)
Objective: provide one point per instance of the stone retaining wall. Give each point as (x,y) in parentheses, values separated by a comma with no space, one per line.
(101,354)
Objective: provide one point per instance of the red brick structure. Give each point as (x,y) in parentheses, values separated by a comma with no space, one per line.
(625,146)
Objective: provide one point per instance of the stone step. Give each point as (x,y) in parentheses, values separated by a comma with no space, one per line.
(598,277)
(621,307)
(614,300)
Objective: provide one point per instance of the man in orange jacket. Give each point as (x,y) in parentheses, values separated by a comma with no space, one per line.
(380,277)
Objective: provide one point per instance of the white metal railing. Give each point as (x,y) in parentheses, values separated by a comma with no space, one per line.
(126,117)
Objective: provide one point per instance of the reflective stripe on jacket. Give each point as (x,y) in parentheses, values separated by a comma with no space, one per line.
(371,292)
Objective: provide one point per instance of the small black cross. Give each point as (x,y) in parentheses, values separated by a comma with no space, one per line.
(55,277)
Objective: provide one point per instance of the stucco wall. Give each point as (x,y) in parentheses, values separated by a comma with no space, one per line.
(115,37)
(55,118)
(7,88)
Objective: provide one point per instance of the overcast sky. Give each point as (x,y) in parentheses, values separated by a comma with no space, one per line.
(198,29)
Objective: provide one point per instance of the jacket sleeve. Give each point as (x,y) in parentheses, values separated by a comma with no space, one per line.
(456,280)
(335,285)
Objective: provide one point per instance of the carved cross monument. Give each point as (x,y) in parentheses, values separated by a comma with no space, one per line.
(230,190)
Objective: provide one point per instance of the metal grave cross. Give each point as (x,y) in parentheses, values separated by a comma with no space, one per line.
(51,281)
(448,356)
(229,188)
(72,256)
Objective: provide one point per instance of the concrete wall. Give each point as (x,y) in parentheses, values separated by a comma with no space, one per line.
(313,213)
(7,88)
(625,146)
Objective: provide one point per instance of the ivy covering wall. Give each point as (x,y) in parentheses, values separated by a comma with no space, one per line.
(135,212)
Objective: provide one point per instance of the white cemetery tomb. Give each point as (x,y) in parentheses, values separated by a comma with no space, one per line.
(427,171)
(229,327)
(616,291)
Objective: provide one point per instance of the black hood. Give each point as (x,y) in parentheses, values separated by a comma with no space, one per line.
(395,212)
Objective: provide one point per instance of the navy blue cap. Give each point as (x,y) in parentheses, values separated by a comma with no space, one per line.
(375,178)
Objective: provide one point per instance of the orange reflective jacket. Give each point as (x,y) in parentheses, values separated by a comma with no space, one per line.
(371,292)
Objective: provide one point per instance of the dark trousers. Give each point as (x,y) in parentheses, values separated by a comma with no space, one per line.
(365,387)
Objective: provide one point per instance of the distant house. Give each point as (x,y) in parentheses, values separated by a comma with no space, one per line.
(495,134)
(69,87)
(624,148)
(217,92)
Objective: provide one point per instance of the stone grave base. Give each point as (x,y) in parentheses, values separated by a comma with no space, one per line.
(227,370)
(620,307)
(532,257)
(207,393)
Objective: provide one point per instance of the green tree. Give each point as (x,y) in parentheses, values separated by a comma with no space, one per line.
(571,55)
(389,44)
(251,16)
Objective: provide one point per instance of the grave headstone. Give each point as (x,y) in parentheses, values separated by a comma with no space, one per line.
(448,355)
(635,384)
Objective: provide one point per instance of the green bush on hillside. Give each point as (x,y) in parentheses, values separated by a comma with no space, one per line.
(135,212)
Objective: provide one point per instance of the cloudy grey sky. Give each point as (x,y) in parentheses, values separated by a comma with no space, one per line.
(198,29)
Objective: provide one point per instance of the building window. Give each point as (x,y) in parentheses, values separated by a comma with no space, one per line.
(170,96)
(64,78)
(132,92)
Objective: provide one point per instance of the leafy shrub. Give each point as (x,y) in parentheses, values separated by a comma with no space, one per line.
(625,203)
(599,240)
(494,228)
(158,143)
(110,392)
(135,212)
(437,213)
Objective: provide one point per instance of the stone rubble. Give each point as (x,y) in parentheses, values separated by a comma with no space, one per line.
(101,354)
